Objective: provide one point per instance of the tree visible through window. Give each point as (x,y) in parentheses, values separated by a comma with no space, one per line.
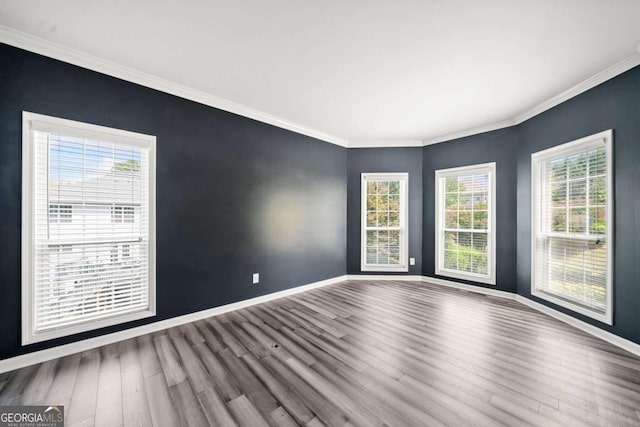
(384,222)
(464,231)
(572,225)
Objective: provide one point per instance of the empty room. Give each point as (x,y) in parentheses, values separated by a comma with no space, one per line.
(319,213)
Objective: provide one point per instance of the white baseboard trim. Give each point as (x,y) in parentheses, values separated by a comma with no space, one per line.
(623,343)
(35,357)
(384,277)
(469,288)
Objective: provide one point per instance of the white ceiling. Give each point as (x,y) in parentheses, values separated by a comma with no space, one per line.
(359,70)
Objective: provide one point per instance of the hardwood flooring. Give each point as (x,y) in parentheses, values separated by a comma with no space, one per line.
(356,353)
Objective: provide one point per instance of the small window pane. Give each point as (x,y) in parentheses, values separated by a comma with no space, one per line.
(372,219)
(464,220)
(577,193)
(451,201)
(480,201)
(559,220)
(383,203)
(479,242)
(480,220)
(577,220)
(450,239)
(559,169)
(577,166)
(451,219)
(394,238)
(465,201)
(394,203)
(383,219)
(559,194)
(598,191)
(372,203)
(394,219)
(451,260)
(597,221)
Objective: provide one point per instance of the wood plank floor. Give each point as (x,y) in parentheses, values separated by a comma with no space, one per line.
(356,353)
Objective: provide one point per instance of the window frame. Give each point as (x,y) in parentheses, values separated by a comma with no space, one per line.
(28,333)
(579,145)
(440,174)
(403,266)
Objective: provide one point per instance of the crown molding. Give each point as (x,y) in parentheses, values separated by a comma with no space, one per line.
(75,57)
(469,132)
(56,51)
(615,70)
(386,143)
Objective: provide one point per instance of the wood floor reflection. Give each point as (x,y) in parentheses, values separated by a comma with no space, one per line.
(356,353)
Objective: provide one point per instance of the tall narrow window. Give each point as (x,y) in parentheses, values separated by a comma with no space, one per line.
(384,222)
(572,225)
(465,223)
(76,178)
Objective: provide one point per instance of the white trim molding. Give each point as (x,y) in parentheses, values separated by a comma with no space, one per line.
(28,359)
(469,288)
(469,132)
(595,331)
(538,230)
(44,47)
(35,198)
(623,343)
(75,57)
(402,228)
(615,70)
(385,143)
(395,277)
(440,230)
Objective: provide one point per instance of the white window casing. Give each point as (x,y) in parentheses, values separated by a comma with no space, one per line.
(80,269)
(572,225)
(384,222)
(465,244)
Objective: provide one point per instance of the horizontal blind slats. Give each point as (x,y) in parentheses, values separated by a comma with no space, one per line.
(571,224)
(91,226)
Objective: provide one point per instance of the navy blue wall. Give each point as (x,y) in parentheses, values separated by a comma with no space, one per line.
(497,146)
(384,160)
(615,105)
(234,196)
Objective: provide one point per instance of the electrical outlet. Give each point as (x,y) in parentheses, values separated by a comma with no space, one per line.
(256,278)
(412,261)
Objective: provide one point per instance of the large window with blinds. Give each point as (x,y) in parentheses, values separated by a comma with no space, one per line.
(384,222)
(465,223)
(572,225)
(88,237)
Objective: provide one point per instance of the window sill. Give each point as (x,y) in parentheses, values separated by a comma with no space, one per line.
(606,317)
(470,277)
(34,337)
(386,268)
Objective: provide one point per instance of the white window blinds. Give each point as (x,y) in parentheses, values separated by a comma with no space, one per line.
(384,222)
(465,211)
(572,225)
(91,193)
